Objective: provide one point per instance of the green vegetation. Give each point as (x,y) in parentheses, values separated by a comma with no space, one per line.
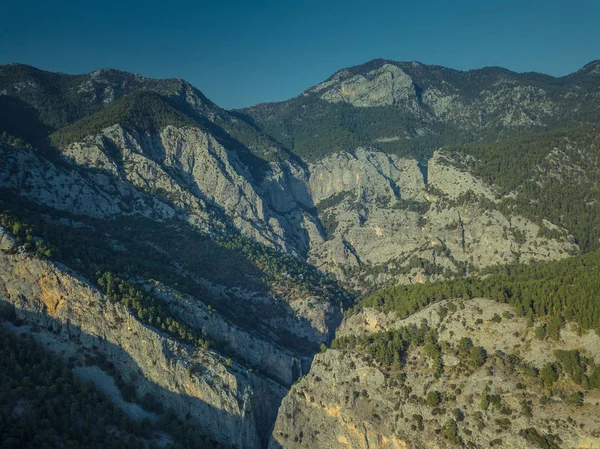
(477,356)
(142,111)
(559,291)
(313,128)
(548,374)
(389,348)
(245,132)
(24,235)
(43,405)
(434,398)
(62,99)
(175,254)
(20,123)
(540,169)
(548,441)
(450,432)
(148,309)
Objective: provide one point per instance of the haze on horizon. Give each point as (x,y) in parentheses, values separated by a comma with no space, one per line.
(243,53)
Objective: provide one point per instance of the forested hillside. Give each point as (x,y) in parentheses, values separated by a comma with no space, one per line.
(557,291)
(413,108)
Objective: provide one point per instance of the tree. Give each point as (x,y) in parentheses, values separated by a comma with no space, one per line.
(554,326)
(434,398)
(576,398)
(450,432)
(477,356)
(540,332)
(595,378)
(548,375)
(484,402)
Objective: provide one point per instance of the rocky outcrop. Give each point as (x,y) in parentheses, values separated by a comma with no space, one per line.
(320,410)
(7,242)
(387,85)
(348,401)
(382,219)
(260,354)
(189,168)
(224,400)
(368,217)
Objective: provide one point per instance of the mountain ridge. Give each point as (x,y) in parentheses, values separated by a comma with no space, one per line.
(219,250)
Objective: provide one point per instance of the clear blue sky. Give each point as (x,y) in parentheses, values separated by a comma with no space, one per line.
(244,52)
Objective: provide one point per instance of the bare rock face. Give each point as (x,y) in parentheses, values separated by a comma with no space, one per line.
(190,169)
(282,365)
(368,174)
(7,242)
(227,403)
(316,412)
(385,86)
(381,217)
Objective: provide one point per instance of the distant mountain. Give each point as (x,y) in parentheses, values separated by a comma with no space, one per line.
(409,108)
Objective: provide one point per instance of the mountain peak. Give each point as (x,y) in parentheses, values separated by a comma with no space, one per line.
(592,67)
(376,83)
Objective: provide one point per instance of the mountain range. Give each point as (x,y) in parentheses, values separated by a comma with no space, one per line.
(177,253)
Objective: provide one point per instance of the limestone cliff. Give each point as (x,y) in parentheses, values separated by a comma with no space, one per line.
(385,222)
(347,400)
(226,402)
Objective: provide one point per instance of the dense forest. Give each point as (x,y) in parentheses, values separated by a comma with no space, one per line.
(62,99)
(143,111)
(313,128)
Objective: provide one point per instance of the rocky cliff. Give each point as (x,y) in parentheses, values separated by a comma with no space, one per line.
(225,401)
(389,219)
(349,400)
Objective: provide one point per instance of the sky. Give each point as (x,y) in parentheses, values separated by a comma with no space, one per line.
(240,53)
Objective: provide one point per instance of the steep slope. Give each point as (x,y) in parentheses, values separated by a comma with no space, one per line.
(412,108)
(178,266)
(532,174)
(386,224)
(76,319)
(405,373)
(63,409)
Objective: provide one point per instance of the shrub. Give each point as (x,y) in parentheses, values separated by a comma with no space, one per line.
(450,432)
(433,399)
(576,398)
(496,318)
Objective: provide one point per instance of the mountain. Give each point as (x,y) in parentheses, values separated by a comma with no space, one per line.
(438,365)
(51,101)
(412,108)
(159,215)
(179,254)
